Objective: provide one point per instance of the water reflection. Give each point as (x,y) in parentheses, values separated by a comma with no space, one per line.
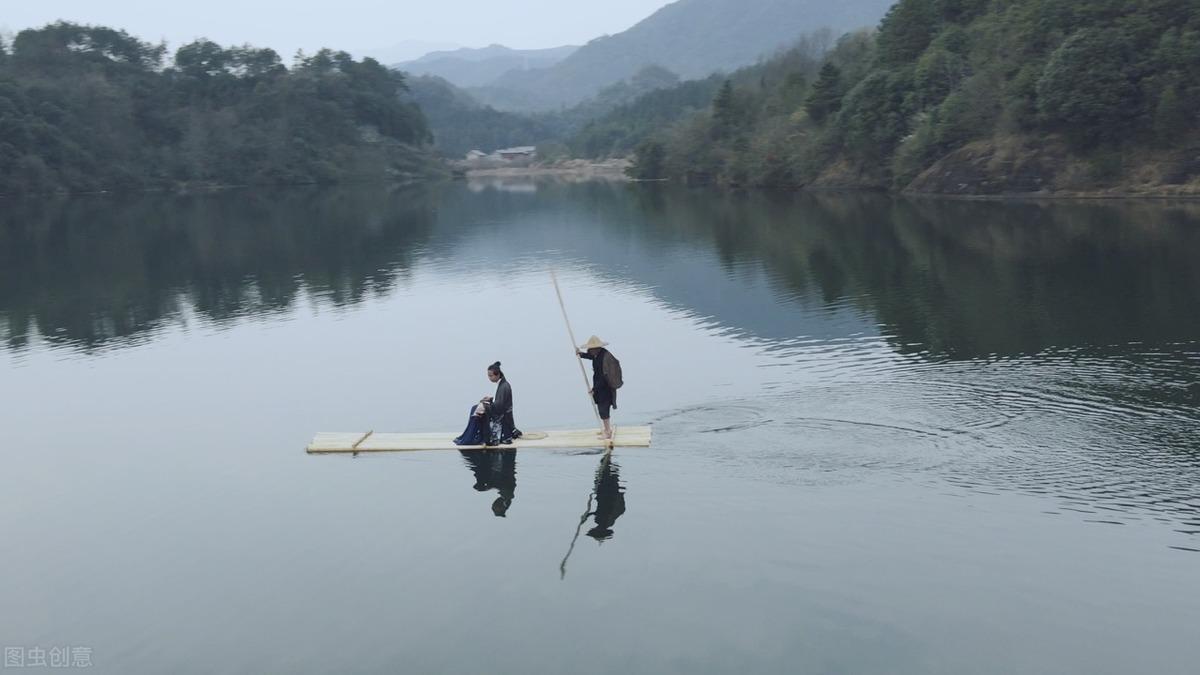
(953,279)
(494,470)
(605,504)
(943,279)
(1039,346)
(610,499)
(89,272)
(865,385)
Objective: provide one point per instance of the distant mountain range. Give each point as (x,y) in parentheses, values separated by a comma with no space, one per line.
(460,122)
(403,51)
(479,67)
(692,38)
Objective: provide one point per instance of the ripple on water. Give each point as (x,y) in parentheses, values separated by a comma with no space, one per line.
(1115,436)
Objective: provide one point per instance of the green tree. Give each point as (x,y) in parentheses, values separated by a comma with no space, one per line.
(653,77)
(825,97)
(1176,61)
(1087,89)
(225,116)
(906,31)
(1171,118)
(937,75)
(874,116)
(649,161)
(249,62)
(941,68)
(70,45)
(725,111)
(959,11)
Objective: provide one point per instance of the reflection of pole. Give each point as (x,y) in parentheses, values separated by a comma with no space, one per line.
(562,567)
(574,348)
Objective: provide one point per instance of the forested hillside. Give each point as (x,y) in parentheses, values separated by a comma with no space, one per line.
(91,108)
(460,123)
(692,38)
(619,131)
(972,96)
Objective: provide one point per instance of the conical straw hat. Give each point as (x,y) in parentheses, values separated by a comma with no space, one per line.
(593,343)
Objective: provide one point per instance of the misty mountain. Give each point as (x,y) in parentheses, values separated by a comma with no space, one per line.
(404,50)
(692,38)
(478,67)
(460,123)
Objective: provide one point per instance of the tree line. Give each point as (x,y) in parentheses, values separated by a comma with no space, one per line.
(1104,78)
(86,108)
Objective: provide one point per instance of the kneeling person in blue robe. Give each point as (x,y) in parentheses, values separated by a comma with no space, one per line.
(491,420)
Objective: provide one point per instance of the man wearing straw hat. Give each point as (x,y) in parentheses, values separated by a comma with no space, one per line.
(606,379)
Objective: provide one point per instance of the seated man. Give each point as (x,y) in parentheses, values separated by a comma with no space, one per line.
(491,420)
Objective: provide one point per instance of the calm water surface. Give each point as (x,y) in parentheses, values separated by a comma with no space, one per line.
(890,436)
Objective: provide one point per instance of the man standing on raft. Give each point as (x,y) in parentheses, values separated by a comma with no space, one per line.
(606,379)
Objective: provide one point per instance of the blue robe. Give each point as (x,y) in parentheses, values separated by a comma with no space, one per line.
(495,425)
(478,431)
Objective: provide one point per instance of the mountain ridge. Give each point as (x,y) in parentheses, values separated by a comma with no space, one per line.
(472,67)
(692,38)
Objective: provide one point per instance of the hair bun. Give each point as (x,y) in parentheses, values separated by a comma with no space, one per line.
(496,364)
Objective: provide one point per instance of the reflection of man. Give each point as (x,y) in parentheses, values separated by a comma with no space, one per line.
(610,500)
(609,497)
(494,470)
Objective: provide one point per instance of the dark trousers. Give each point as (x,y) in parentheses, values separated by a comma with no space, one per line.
(604,401)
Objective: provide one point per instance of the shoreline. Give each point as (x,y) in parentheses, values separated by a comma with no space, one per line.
(1099,195)
(614,171)
(580,169)
(207,188)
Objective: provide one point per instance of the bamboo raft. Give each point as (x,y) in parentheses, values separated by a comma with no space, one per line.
(358,441)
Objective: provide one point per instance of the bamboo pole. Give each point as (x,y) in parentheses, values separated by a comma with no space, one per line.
(575,349)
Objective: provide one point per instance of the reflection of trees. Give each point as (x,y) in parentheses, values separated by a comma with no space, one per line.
(964,279)
(90,270)
(953,279)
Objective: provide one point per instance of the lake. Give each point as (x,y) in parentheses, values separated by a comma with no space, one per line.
(890,435)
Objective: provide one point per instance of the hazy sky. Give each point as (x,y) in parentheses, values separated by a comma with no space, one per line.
(353,25)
